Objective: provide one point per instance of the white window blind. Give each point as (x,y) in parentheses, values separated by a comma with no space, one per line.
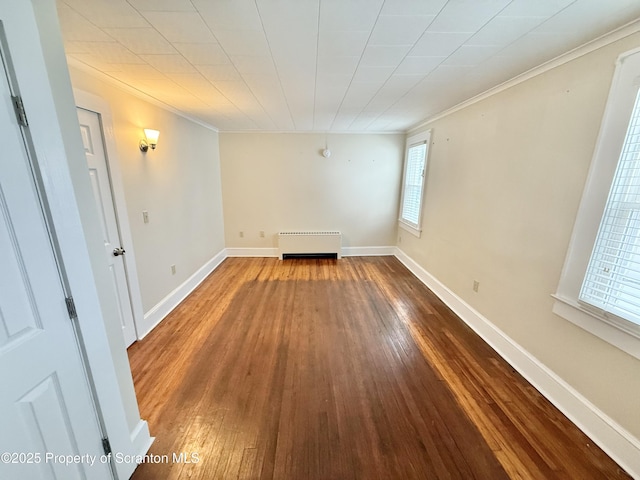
(612,280)
(413,183)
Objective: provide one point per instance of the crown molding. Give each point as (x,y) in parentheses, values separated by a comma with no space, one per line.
(320,132)
(584,49)
(75,63)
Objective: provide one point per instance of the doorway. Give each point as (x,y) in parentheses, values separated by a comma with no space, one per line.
(111,215)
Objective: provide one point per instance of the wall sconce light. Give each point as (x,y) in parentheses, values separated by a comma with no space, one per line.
(150,140)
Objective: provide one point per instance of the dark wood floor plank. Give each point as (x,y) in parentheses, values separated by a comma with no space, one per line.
(536,440)
(348,369)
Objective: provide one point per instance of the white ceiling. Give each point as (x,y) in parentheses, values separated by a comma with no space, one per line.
(325,65)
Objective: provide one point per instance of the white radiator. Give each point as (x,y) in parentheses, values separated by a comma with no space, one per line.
(309,243)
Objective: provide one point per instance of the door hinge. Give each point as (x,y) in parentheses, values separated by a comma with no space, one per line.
(71,308)
(106,446)
(21,115)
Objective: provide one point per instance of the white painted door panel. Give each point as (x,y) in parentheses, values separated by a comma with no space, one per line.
(91,132)
(45,401)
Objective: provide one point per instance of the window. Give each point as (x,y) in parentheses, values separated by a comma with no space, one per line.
(415,167)
(612,282)
(600,285)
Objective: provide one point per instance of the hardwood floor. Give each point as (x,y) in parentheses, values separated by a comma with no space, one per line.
(347,369)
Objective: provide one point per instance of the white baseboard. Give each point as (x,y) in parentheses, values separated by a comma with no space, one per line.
(252,252)
(154,316)
(141,439)
(346,252)
(614,439)
(367,251)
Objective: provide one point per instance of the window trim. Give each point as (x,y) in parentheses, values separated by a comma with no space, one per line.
(614,330)
(417,139)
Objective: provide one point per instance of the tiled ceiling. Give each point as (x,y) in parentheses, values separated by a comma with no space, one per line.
(324,65)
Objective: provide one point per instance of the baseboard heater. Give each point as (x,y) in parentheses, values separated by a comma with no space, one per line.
(309,244)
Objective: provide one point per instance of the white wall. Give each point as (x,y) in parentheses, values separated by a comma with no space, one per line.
(278,181)
(505,179)
(178,184)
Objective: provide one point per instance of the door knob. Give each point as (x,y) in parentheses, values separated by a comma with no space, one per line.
(118,251)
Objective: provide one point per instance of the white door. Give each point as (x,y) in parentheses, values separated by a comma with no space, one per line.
(91,131)
(46,406)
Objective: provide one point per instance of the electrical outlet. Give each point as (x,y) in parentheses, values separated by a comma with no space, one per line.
(476,285)
(145,216)
(241,234)
(261,234)
(173,269)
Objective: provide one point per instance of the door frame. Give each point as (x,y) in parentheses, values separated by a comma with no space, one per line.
(79,380)
(39,64)
(98,105)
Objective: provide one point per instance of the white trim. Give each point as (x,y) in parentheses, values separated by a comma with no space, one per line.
(163,308)
(346,252)
(100,106)
(73,62)
(319,132)
(89,70)
(609,144)
(141,439)
(600,327)
(368,251)
(614,439)
(409,228)
(251,252)
(602,41)
(40,70)
(418,139)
